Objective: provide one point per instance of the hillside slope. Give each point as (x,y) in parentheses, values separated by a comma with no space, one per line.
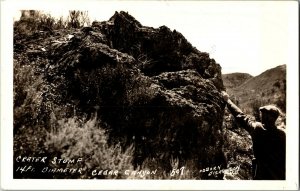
(233,80)
(267,88)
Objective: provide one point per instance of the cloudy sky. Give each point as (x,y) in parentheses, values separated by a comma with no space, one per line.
(242,36)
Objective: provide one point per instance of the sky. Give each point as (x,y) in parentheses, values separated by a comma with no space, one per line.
(242,36)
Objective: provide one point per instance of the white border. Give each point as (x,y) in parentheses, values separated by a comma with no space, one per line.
(7,181)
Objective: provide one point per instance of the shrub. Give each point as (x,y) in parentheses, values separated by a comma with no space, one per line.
(78,19)
(46,21)
(61,23)
(32,21)
(27,93)
(81,138)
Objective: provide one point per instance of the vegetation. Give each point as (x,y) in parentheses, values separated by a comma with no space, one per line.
(32,21)
(80,138)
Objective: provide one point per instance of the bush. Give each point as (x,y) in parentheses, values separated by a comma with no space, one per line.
(46,21)
(27,93)
(78,19)
(32,21)
(81,138)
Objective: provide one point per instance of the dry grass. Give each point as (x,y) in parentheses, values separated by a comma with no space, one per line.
(80,138)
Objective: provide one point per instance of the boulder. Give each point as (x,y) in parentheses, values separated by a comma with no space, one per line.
(151,88)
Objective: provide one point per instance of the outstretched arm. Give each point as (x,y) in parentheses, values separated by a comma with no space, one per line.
(247,121)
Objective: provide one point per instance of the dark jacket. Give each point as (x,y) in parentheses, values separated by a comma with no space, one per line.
(269,146)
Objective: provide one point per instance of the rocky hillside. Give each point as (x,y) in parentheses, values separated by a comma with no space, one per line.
(148,88)
(235,79)
(267,88)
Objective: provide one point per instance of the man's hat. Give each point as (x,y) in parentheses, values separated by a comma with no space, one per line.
(270,110)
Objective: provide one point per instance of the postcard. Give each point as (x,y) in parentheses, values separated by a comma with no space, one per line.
(160,95)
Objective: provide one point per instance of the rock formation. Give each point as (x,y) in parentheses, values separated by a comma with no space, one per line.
(149,87)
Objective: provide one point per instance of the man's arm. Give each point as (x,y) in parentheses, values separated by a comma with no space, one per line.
(247,121)
(234,109)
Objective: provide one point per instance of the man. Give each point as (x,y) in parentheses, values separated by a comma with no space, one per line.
(268,141)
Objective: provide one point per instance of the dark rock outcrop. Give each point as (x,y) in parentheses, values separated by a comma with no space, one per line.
(150,88)
(158,50)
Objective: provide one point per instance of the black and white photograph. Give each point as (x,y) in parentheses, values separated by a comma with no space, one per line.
(138,95)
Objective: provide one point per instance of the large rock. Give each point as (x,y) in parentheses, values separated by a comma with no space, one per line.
(150,88)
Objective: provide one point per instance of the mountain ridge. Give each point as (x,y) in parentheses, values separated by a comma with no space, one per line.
(269,87)
(235,79)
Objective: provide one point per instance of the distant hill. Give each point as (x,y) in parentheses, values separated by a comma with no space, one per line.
(235,79)
(267,88)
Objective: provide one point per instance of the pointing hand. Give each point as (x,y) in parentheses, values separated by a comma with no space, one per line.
(225,96)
